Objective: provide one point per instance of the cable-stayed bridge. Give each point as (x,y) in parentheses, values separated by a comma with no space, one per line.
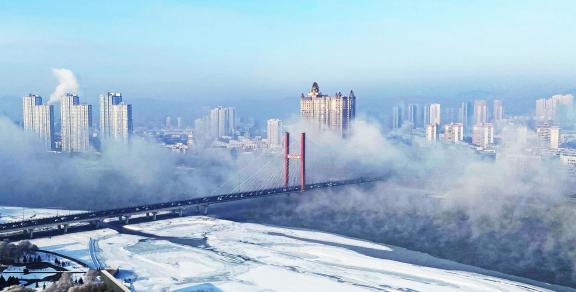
(265,179)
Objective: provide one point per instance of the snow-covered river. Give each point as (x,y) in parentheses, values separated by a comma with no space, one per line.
(203,253)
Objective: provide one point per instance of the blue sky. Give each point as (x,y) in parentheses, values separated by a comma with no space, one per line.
(274,49)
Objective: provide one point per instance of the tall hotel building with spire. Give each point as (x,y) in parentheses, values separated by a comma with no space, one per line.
(38,118)
(76,122)
(115,117)
(328,112)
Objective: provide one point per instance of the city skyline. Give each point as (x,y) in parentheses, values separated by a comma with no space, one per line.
(451,109)
(326,145)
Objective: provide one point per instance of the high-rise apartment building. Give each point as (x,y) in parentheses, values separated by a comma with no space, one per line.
(274,132)
(122,127)
(483,135)
(434,113)
(454,132)
(28,104)
(413,115)
(497,111)
(397,117)
(541,110)
(548,137)
(67,104)
(480,112)
(106,103)
(76,120)
(556,109)
(38,118)
(431,133)
(467,117)
(328,112)
(115,117)
(44,124)
(222,121)
(410,115)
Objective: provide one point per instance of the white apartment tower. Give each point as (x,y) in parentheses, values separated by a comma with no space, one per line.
(454,132)
(39,119)
(554,109)
(467,117)
(106,103)
(76,125)
(328,112)
(121,121)
(498,111)
(28,104)
(480,112)
(274,132)
(433,114)
(431,133)
(483,135)
(222,121)
(548,137)
(115,117)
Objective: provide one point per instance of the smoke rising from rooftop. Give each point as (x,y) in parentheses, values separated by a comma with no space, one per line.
(67,83)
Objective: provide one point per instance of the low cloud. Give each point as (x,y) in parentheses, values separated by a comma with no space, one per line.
(511,214)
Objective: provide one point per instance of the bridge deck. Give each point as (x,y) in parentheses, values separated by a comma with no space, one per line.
(95,216)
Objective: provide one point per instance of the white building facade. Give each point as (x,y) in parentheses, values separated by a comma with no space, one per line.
(431,133)
(326,112)
(548,137)
(115,117)
(76,125)
(106,103)
(222,122)
(38,118)
(480,112)
(498,111)
(483,135)
(274,133)
(121,118)
(454,132)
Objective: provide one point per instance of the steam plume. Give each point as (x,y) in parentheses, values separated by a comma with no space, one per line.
(67,83)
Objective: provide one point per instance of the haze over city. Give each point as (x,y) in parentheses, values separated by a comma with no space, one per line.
(287,146)
(388,50)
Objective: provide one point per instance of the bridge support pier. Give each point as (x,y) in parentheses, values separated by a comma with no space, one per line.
(30,232)
(97,223)
(205,210)
(66,228)
(180,212)
(154,215)
(126,219)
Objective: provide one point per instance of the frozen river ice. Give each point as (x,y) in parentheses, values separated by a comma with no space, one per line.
(208,254)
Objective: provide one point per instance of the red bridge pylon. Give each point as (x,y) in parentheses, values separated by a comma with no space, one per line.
(301,157)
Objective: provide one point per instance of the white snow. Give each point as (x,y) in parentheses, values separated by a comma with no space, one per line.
(75,245)
(207,254)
